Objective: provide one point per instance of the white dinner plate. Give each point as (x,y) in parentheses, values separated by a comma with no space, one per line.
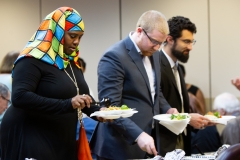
(124,111)
(115,112)
(111,112)
(167,118)
(223,120)
(113,116)
(129,114)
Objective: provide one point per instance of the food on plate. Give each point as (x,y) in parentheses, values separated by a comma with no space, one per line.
(124,106)
(179,116)
(111,108)
(212,115)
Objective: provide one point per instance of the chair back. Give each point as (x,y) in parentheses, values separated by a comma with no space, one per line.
(231,153)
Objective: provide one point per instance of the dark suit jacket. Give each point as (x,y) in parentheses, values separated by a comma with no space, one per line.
(123,78)
(171,94)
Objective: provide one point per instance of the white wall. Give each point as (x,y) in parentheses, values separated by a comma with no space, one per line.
(213,60)
(225,48)
(18,23)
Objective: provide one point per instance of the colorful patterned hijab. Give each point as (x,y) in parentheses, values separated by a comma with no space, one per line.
(47,42)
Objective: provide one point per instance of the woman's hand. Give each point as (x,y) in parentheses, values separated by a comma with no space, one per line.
(100,119)
(81,101)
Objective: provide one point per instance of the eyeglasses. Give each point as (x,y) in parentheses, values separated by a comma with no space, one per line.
(9,102)
(188,42)
(154,42)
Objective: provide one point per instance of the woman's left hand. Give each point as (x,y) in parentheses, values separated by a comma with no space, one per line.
(100,119)
(81,101)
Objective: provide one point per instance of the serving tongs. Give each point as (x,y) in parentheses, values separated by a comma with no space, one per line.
(105,102)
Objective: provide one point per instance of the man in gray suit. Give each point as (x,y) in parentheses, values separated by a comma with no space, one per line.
(128,73)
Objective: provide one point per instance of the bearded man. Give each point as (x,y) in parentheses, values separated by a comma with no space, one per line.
(176,48)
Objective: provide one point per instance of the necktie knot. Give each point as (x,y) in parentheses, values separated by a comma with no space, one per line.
(175,67)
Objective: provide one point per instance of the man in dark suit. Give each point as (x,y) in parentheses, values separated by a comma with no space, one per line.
(128,73)
(176,48)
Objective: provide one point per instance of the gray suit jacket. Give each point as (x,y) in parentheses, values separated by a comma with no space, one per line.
(123,78)
(230,134)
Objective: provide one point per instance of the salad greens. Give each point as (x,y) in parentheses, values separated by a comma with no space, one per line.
(179,117)
(216,114)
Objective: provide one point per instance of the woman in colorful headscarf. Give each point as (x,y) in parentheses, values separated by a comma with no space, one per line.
(48,87)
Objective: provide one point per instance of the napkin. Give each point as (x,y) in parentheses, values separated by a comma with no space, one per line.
(221,149)
(176,127)
(176,154)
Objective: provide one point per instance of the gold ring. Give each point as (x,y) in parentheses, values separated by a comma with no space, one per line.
(83,95)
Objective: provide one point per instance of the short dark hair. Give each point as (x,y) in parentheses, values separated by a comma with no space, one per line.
(179,23)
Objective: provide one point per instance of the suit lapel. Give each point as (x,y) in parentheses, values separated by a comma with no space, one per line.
(168,69)
(156,67)
(137,59)
(170,75)
(184,92)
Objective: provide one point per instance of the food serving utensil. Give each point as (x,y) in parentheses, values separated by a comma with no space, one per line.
(105,102)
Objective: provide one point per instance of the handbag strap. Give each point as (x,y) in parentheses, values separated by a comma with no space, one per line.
(80,115)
